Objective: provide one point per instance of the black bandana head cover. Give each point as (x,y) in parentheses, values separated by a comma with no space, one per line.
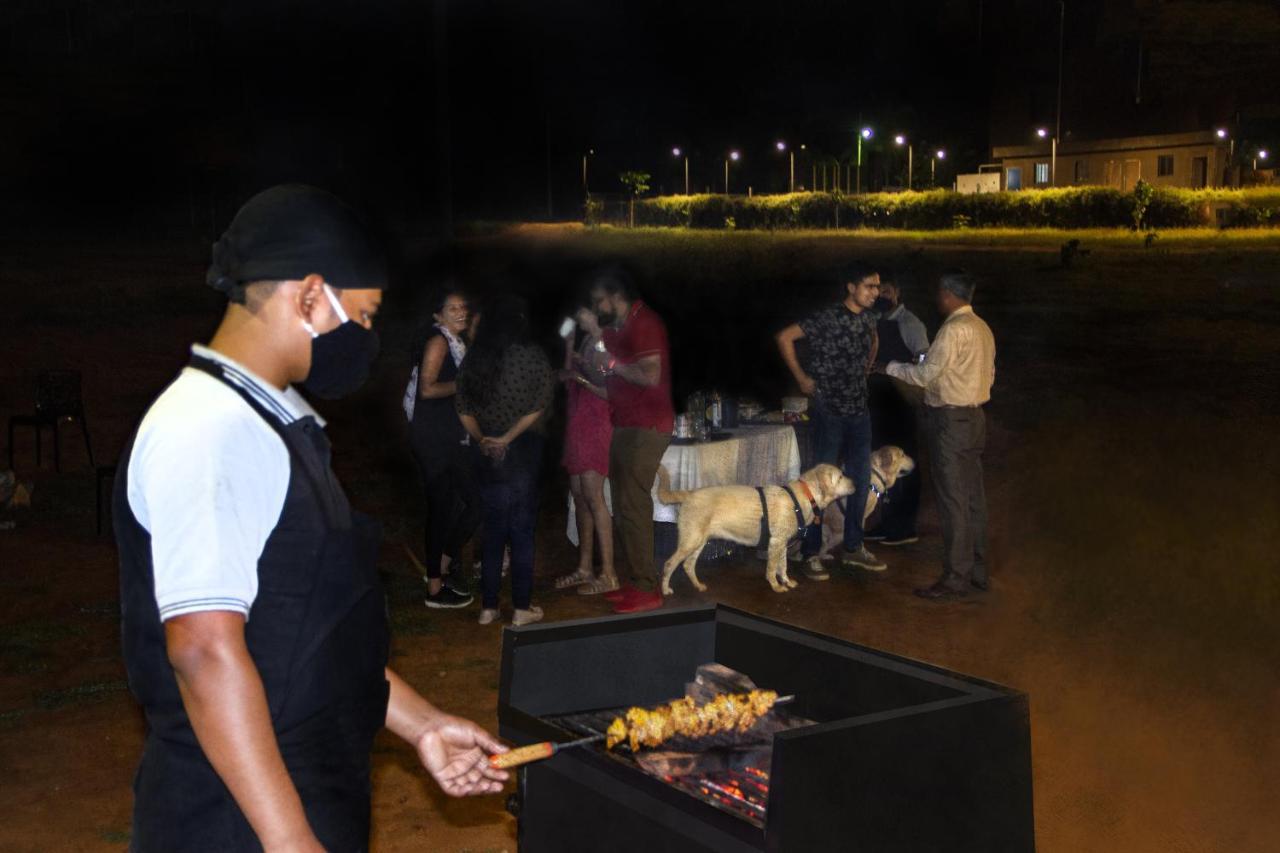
(289,232)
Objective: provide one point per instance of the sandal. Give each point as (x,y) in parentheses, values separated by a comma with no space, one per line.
(579,577)
(596,586)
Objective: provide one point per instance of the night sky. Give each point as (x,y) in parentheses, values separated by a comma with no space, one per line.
(165,115)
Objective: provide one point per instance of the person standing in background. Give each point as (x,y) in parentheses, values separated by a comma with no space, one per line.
(504,388)
(957,376)
(638,380)
(842,350)
(439,447)
(587,434)
(895,408)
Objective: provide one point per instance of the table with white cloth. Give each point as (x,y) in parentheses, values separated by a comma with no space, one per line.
(751,456)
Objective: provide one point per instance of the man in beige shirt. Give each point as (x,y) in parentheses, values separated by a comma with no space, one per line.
(957,375)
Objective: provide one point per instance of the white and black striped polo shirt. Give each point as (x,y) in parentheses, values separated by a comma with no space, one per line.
(207,480)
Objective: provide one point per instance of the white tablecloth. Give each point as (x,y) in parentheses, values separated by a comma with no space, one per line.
(754,456)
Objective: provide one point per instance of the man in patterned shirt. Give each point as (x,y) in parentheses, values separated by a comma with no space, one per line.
(842,348)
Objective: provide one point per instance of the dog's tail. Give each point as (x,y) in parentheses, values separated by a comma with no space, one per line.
(664,489)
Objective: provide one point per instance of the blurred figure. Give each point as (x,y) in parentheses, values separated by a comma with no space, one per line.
(504,388)
(957,376)
(439,446)
(638,378)
(588,432)
(895,408)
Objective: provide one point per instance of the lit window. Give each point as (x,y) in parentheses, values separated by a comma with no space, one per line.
(1042,173)
(1082,171)
(1164,165)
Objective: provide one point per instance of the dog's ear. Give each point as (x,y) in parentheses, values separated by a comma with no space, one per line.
(831,483)
(882,458)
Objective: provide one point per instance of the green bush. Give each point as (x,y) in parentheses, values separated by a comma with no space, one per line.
(1071,207)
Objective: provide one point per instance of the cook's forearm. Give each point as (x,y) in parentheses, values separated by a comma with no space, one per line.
(409,714)
(227,705)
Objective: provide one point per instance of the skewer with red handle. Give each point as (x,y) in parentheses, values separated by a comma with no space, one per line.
(536,752)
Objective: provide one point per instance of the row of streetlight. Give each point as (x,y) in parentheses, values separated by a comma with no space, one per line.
(900,140)
(1260,154)
(865,133)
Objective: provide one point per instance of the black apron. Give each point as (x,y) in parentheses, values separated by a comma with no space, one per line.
(317,632)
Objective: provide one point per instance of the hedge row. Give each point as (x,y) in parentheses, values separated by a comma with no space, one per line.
(1076,207)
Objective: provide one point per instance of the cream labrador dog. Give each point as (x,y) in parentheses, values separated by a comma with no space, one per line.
(887,465)
(734,513)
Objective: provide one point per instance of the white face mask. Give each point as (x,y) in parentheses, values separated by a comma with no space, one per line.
(337,309)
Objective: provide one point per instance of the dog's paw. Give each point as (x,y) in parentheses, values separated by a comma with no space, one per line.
(700,586)
(777,587)
(791,584)
(666,589)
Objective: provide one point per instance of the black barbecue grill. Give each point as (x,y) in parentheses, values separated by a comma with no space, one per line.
(875,752)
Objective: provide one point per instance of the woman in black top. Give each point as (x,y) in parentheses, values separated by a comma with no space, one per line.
(504,389)
(453,499)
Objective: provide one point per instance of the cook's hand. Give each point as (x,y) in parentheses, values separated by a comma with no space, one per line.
(310,844)
(456,754)
(807,385)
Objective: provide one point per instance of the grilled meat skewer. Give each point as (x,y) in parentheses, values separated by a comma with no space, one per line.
(729,712)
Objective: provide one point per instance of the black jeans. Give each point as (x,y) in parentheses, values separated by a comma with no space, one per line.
(509,495)
(453,498)
(894,420)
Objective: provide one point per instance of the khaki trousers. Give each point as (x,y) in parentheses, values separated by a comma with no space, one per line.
(634,455)
(957,437)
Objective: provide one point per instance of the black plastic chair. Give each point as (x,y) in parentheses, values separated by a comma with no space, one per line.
(57,400)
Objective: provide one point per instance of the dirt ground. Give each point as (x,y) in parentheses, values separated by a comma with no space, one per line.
(1132,481)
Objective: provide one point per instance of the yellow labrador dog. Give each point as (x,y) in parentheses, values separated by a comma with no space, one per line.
(735,513)
(887,465)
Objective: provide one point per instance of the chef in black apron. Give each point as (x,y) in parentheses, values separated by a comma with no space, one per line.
(253,621)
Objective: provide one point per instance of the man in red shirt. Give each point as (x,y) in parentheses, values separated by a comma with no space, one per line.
(638,381)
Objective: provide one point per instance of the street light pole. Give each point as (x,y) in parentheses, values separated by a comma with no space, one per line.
(733,155)
(865,133)
(585,189)
(686,174)
(1057,126)
(933,166)
(901,140)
